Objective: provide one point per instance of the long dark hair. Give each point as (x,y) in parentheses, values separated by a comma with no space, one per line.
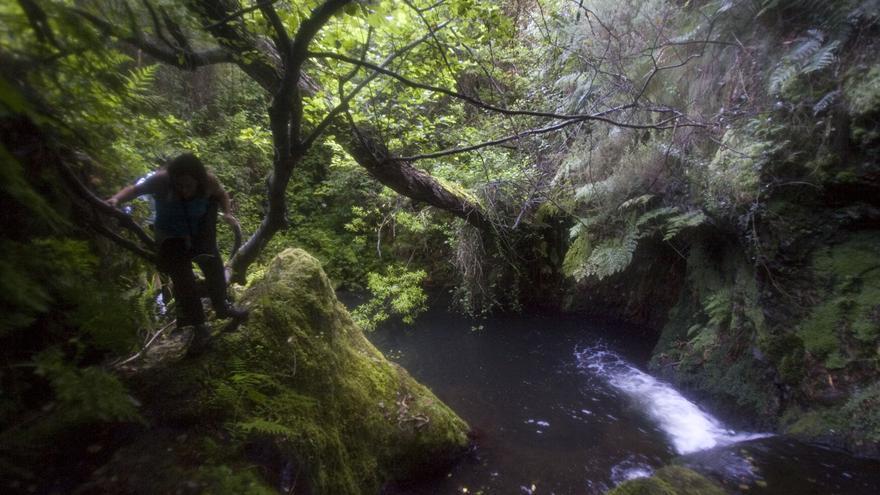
(188,164)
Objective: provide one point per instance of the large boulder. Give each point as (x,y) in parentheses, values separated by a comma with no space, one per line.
(296,400)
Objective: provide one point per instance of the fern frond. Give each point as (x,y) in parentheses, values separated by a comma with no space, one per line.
(806,46)
(593,191)
(780,78)
(821,58)
(809,55)
(654,214)
(266,427)
(612,256)
(678,223)
(637,201)
(719,308)
(578,252)
(826,101)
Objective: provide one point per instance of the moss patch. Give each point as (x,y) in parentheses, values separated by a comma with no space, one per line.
(854,425)
(862,92)
(846,325)
(303,373)
(670,480)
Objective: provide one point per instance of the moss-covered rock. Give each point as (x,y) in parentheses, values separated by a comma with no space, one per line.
(853,425)
(670,480)
(300,396)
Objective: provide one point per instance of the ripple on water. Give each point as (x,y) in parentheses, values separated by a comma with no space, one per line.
(634,466)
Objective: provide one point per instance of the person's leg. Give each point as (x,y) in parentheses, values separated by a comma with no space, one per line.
(175,261)
(209,260)
(215,279)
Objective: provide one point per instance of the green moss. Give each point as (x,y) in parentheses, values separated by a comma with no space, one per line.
(820,331)
(862,413)
(814,424)
(224,479)
(302,375)
(862,92)
(670,480)
(712,329)
(846,325)
(855,424)
(299,384)
(787,352)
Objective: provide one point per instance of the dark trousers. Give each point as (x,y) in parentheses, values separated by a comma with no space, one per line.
(176,256)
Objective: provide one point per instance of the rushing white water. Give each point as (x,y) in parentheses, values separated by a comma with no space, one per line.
(689,428)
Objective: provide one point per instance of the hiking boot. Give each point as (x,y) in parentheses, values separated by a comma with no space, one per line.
(200,342)
(230,311)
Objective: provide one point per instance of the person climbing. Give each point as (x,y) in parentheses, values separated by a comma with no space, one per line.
(186,198)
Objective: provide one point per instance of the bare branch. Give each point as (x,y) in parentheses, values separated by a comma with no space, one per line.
(238,13)
(343,104)
(665,124)
(157,26)
(469,99)
(117,239)
(36,17)
(432,31)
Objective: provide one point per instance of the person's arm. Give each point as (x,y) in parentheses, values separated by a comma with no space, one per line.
(128,193)
(222,198)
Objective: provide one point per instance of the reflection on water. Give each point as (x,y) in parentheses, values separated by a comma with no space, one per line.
(557,410)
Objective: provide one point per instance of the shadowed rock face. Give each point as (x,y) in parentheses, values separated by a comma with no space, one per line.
(296,400)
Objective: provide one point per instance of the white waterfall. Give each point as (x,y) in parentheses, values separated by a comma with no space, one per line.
(689,428)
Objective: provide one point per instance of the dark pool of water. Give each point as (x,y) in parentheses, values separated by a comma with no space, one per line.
(546,425)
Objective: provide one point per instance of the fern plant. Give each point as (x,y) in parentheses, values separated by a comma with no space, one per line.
(615,253)
(611,256)
(811,53)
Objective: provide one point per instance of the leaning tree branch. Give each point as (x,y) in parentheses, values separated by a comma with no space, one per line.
(83,192)
(122,242)
(372,154)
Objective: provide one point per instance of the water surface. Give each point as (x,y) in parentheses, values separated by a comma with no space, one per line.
(561,405)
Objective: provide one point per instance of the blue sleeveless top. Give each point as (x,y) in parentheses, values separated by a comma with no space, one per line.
(176,217)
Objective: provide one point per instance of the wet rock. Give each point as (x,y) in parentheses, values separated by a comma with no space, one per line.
(670,480)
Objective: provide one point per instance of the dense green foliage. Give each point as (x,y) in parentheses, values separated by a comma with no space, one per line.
(713,158)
